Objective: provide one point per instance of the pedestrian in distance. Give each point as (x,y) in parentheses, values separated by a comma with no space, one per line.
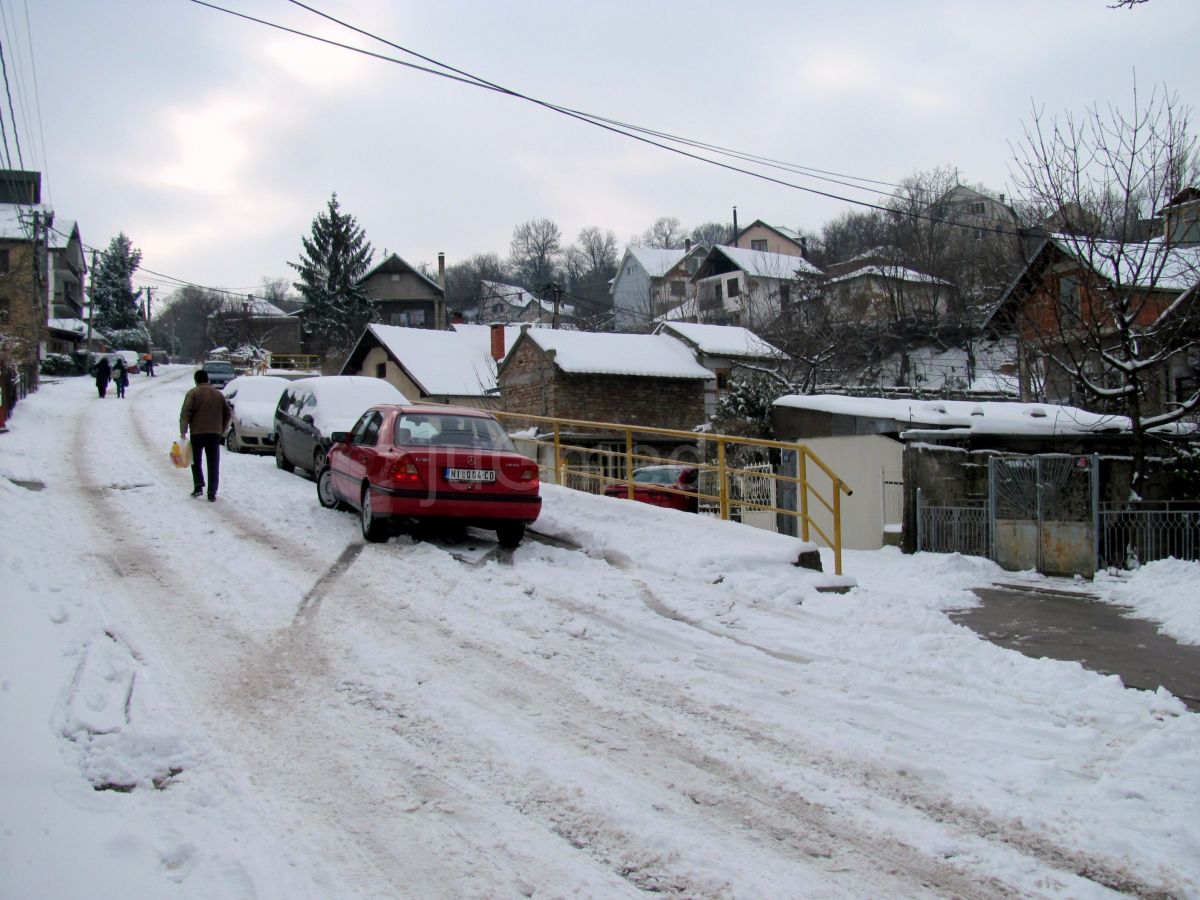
(120,377)
(206,414)
(148,363)
(103,372)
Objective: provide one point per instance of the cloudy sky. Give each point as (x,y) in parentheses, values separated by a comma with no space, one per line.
(213,141)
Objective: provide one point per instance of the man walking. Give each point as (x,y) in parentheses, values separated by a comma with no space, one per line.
(206,412)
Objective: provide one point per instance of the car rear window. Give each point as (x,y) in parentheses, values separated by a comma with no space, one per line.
(438,430)
(218,367)
(657,475)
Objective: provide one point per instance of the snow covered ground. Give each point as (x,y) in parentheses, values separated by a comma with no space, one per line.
(241,699)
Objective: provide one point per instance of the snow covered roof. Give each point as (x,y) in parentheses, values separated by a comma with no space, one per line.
(648,355)
(1151,264)
(995,417)
(78,326)
(254,306)
(442,363)
(655,260)
(892,273)
(16,220)
(514,296)
(480,336)
(722,340)
(59,234)
(763,264)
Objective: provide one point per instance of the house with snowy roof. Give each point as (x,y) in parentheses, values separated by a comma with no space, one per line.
(723,350)
(650,281)
(244,323)
(429,366)
(1061,309)
(887,292)
(635,379)
(404,295)
(50,309)
(753,288)
(758,235)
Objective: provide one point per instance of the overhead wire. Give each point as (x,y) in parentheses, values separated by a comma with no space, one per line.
(458,75)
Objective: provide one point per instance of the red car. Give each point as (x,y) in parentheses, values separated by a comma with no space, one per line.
(427,464)
(649,483)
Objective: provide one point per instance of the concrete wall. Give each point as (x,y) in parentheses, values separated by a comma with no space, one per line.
(860,461)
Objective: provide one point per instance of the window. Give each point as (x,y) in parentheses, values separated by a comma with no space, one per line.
(975,207)
(722,379)
(3,261)
(732,288)
(677,288)
(381,370)
(1068,294)
(759,245)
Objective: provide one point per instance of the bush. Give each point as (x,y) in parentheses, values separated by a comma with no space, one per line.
(58,364)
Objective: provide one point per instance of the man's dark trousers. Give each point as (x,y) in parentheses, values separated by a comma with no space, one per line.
(210,446)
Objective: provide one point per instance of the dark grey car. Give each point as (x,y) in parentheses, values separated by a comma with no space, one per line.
(220,372)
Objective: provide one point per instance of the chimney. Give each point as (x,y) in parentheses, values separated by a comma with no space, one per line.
(687,245)
(733,243)
(439,309)
(497,342)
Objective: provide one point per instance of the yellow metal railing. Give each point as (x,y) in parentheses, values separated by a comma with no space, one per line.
(712,452)
(302,361)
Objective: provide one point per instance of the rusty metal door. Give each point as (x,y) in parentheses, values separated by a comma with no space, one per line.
(1044,513)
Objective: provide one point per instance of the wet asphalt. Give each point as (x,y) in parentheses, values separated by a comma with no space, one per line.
(1075,626)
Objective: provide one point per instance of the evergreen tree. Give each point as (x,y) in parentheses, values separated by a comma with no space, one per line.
(746,408)
(335,258)
(114,301)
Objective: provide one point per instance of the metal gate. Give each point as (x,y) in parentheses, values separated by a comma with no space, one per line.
(1044,513)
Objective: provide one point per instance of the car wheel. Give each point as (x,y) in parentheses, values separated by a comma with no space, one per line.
(325,494)
(231,441)
(509,535)
(318,461)
(374,528)
(281,459)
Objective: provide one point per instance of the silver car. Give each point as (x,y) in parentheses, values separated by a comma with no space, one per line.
(252,399)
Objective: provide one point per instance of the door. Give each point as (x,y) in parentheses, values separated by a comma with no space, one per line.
(1043,513)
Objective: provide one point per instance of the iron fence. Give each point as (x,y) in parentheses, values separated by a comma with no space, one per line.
(954,529)
(1129,537)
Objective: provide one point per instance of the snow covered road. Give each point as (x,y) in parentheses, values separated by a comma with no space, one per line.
(648,702)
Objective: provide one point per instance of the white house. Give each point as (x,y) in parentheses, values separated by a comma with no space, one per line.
(750,287)
(649,281)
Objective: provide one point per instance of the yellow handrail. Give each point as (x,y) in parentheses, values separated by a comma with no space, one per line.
(632,454)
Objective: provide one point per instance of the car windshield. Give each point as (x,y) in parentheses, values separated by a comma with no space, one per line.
(443,430)
(221,367)
(657,475)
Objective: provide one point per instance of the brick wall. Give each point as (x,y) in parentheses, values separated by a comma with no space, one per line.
(531,383)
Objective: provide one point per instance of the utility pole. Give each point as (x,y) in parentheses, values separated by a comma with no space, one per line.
(149,301)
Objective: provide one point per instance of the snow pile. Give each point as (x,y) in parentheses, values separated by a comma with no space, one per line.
(1166,591)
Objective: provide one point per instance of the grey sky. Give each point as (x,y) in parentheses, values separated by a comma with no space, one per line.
(213,142)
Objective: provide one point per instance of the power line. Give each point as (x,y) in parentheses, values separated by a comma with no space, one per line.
(12,112)
(458,75)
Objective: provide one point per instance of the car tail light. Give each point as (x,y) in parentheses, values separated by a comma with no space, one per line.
(404,472)
(530,473)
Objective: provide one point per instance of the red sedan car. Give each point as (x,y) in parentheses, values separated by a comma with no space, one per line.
(428,464)
(671,486)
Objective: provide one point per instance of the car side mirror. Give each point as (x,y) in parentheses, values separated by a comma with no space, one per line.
(340,437)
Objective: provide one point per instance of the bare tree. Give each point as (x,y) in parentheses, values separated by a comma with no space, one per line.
(536,252)
(712,233)
(666,233)
(463,280)
(591,263)
(1119,305)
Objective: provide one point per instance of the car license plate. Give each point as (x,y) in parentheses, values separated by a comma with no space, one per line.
(473,475)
